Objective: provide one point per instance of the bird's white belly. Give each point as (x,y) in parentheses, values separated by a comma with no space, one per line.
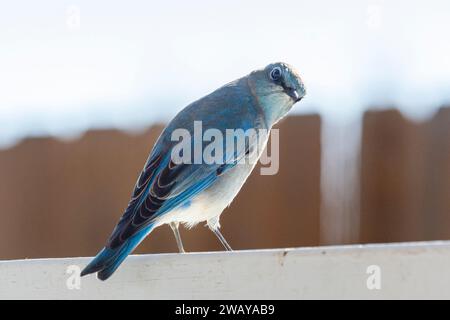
(209,204)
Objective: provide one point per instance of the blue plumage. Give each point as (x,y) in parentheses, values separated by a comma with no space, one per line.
(171,193)
(108,259)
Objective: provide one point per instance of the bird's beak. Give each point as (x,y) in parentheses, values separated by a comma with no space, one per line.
(293,93)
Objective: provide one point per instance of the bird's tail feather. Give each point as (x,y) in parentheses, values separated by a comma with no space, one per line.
(108,260)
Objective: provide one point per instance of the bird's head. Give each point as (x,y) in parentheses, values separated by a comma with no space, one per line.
(277,88)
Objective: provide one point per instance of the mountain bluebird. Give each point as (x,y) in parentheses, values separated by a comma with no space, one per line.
(169,192)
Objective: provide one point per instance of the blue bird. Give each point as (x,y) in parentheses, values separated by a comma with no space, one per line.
(171,193)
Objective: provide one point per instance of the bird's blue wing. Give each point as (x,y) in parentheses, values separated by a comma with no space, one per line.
(163,186)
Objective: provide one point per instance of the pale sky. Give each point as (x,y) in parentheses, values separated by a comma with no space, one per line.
(66,66)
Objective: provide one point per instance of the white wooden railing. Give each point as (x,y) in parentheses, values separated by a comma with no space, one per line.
(407,270)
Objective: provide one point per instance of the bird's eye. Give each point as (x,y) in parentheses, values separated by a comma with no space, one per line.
(275,74)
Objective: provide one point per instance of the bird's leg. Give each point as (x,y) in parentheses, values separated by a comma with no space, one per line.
(214,226)
(222,239)
(176,232)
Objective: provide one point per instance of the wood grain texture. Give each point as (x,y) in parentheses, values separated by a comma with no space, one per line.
(405,177)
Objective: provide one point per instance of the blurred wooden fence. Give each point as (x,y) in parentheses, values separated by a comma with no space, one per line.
(60,199)
(405,177)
